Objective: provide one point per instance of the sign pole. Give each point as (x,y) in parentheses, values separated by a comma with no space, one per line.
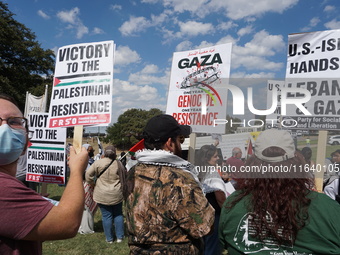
(192,146)
(320,159)
(78,138)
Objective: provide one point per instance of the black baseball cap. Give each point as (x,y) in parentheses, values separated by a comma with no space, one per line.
(162,127)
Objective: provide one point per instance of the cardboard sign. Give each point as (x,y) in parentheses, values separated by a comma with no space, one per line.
(196,94)
(314,64)
(46,157)
(82,87)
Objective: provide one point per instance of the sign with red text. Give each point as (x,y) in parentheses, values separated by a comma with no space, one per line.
(82,86)
(46,159)
(314,64)
(197,95)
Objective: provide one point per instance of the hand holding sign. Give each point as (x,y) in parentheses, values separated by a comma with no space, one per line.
(78,161)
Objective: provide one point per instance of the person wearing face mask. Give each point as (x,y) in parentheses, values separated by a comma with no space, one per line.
(27,219)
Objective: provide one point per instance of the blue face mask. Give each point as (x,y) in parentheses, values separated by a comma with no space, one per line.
(12,144)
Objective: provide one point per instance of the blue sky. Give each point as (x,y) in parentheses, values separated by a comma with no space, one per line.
(147,33)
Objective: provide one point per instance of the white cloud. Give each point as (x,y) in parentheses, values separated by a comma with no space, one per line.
(253,55)
(74,22)
(124,56)
(150,69)
(70,16)
(262,44)
(183,46)
(194,6)
(333,24)
(226,25)
(254,63)
(259,75)
(329,8)
(239,9)
(43,14)
(187,45)
(312,23)
(81,30)
(115,7)
(134,25)
(234,9)
(150,1)
(150,74)
(144,97)
(227,39)
(194,28)
(97,31)
(158,20)
(204,44)
(245,30)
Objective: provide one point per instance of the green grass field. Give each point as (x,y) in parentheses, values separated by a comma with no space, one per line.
(83,244)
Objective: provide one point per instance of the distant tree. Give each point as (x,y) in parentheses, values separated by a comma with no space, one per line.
(231,129)
(129,128)
(24,65)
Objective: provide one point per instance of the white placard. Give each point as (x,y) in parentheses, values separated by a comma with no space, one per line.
(313,64)
(197,95)
(82,87)
(46,157)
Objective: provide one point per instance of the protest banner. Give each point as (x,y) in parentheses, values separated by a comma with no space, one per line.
(227,143)
(197,95)
(46,159)
(82,86)
(34,103)
(313,64)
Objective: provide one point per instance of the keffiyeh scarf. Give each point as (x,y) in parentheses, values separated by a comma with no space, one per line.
(166,158)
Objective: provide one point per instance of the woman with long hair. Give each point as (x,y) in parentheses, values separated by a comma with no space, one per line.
(275,210)
(214,189)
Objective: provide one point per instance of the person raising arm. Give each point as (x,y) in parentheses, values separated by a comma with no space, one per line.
(27,219)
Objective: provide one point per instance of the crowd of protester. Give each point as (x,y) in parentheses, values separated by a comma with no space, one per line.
(171,205)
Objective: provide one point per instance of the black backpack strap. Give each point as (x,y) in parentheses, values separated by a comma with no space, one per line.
(105,169)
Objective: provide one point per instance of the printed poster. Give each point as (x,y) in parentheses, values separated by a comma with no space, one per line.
(46,157)
(197,92)
(314,65)
(82,86)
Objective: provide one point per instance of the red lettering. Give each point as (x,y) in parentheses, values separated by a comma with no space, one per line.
(191,101)
(180,102)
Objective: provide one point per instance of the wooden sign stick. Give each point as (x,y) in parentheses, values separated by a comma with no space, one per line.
(320,160)
(78,138)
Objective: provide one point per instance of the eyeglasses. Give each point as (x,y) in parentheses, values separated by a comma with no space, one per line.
(15,122)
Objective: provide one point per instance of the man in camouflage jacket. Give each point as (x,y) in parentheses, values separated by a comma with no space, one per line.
(167,212)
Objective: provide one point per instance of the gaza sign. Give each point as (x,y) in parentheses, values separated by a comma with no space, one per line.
(197,96)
